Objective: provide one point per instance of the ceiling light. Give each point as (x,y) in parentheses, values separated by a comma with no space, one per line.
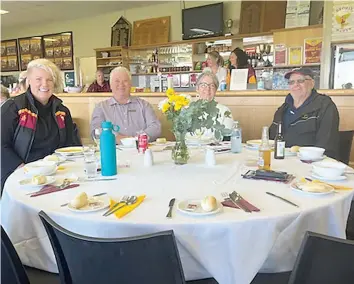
(3,12)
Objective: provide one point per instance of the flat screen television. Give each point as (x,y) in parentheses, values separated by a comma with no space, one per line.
(204,21)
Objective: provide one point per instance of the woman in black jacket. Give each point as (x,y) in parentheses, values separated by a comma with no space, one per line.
(36,122)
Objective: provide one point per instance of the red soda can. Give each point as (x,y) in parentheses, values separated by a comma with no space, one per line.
(142,142)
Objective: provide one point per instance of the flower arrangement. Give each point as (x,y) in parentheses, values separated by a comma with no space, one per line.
(189,116)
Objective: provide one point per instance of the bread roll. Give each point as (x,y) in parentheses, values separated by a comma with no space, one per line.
(37,180)
(79,201)
(209,203)
(295,149)
(161,140)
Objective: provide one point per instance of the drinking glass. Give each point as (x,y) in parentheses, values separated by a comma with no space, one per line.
(96,136)
(90,166)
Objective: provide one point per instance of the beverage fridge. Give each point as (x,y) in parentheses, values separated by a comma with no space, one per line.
(342,66)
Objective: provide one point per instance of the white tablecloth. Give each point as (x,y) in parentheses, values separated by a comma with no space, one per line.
(231,246)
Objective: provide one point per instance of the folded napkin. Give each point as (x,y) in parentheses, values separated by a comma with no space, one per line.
(128,208)
(244,203)
(51,188)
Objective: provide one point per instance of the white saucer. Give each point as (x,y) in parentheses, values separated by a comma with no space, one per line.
(339,178)
(102,203)
(182,205)
(28,182)
(293,187)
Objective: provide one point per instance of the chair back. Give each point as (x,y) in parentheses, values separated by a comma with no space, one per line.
(148,259)
(345,145)
(12,270)
(324,260)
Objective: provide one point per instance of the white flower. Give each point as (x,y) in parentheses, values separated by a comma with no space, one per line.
(161,103)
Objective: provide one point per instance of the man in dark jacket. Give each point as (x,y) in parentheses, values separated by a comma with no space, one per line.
(35,123)
(308,118)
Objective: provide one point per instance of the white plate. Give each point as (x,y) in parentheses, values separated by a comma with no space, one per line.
(339,178)
(288,153)
(258,142)
(70,151)
(181,207)
(61,158)
(46,174)
(126,146)
(28,182)
(331,190)
(103,202)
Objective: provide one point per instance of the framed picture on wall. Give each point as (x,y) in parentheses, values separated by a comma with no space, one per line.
(9,55)
(176,79)
(184,80)
(59,49)
(30,48)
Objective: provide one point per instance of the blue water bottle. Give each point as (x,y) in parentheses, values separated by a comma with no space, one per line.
(108,150)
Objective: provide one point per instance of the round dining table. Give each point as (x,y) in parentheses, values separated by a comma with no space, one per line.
(232,246)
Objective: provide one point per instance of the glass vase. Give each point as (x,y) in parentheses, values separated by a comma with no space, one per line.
(180,153)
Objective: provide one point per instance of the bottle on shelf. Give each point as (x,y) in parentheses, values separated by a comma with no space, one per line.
(228,79)
(279,150)
(264,157)
(236,138)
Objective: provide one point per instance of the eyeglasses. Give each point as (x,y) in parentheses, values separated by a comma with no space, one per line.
(206,85)
(299,81)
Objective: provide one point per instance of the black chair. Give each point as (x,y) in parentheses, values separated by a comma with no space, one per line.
(345,145)
(12,270)
(272,278)
(350,223)
(324,260)
(148,259)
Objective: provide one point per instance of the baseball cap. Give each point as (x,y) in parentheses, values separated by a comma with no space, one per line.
(303,71)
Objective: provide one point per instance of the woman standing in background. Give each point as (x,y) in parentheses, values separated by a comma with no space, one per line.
(215,63)
(239,60)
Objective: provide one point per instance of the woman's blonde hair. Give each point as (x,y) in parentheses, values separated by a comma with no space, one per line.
(49,67)
(217,57)
(22,80)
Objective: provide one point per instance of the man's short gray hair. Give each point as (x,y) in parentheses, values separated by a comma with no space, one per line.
(210,74)
(119,69)
(49,67)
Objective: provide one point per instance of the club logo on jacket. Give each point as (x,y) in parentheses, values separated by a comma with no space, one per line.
(27,119)
(60,116)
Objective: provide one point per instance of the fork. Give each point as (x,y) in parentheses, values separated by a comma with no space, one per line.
(226,196)
(235,197)
(124,199)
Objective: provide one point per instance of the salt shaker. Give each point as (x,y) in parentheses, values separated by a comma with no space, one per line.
(148,158)
(210,157)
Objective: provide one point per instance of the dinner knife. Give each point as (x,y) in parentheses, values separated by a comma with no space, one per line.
(282,198)
(172,202)
(98,194)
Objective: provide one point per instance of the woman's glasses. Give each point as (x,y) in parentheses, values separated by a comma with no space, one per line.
(206,85)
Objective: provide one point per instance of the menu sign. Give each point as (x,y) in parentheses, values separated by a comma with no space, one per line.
(59,49)
(343,18)
(295,55)
(312,50)
(30,49)
(9,55)
(280,54)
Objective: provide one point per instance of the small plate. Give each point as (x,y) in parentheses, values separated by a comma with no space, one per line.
(28,182)
(126,146)
(339,178)
(258,142)
(46,174)
(330,189)
(70,151)
(182,207)
(96,203)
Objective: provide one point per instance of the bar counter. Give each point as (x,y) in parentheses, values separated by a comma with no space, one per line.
(252,108)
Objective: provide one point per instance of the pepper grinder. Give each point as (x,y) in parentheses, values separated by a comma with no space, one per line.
(210,159)
(148,158)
